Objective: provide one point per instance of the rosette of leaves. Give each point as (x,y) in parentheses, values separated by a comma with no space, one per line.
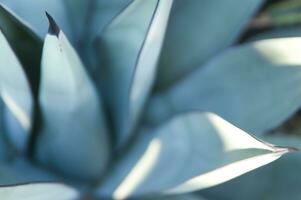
(140,101)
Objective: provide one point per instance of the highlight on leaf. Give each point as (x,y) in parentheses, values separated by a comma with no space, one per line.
(148,99)
(216,152)
(70,108)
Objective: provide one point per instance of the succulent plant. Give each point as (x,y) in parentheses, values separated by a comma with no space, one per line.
(150,99)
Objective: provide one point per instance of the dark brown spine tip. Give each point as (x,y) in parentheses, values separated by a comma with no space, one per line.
(292,149)
(54,29)
(286,149)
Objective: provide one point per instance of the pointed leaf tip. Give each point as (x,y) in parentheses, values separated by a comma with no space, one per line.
(283,150)
(54,29)
(292,149)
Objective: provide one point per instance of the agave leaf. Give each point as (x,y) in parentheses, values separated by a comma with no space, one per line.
(6,149)
(94,14)
(196,32)
(191,152)
(105,11)
(16,95)
(38,191)
(277,181)
(21,171)
(73,123)
(33,13)
(79,15)
(25,44)
(131,44)
(250,86)
(178,197)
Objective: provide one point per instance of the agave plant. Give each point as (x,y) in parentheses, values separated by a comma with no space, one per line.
(137,104)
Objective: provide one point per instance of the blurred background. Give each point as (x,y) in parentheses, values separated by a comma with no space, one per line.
(276,18)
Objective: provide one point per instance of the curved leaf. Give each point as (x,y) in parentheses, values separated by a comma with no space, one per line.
(105,11)
(73,122)
(277,181)
(131,45)
(38,191)
(78,12)
(33,13)
(16,95)
(254,86)
(197,31)
(26,45)
(95,14)
(6,149)
(20,171)
(191,152)
(178,197)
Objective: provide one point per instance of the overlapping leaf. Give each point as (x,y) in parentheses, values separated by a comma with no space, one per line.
(20,171)
(80,20)
(88,18)
(16,95)
(73,138)
(276,181)
(191,152)
(98,13)
(32,13)
(252,86)
(131,45)
(197,31)
(6,149)
(178,197)
(173,159)
(38,191)
(25,44)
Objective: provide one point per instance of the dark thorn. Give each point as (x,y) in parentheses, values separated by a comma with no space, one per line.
(54,29)
(292,149)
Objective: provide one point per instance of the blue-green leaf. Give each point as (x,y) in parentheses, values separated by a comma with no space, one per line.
(20,171)
(73,138)
(254,86)
(6,149)
(178,197)
(131,45)
(105,11)
(25,44)
(191,152)
(16,95)
(79,14)
(277,181)
(197,31)
(95,14)
(87,19)
(38,191)
(33,13)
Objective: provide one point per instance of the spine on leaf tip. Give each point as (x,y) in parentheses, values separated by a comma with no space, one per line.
(54,29)
(286,149)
